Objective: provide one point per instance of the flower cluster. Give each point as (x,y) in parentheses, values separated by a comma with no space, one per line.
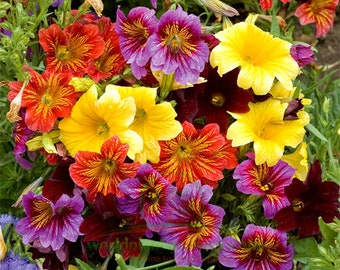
(146,119)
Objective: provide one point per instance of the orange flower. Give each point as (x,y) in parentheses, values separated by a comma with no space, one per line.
(101,172)
(320,12)
(47,97)
(195,155)
(71,49)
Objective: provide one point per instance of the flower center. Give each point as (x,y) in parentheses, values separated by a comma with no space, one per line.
(217,99)
(63,52)
(46,99)
(42,213)
(103,129)
(109,166)
(185,152)
(178,39)
(297,205)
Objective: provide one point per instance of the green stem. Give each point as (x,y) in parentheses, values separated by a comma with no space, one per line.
(157,265)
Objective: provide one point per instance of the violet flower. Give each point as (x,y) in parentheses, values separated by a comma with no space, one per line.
(302,54)
(148,193)
(133,32)
(193,224)
(50,222)
(260,248)
(177,47)
(265,181)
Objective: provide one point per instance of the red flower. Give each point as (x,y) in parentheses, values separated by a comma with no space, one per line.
(111,62)
(70,50)
(320,12)
(47,97)
(194,155)
(101,172)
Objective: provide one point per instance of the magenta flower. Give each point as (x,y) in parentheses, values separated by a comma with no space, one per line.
(51,223)
(268,182)
(177,47)
(148,193)
(260,248)
(133,33)
(309,200)
(302,54)
(193,224)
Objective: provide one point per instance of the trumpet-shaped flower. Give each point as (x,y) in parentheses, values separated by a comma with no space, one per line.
(298,160)
(303,54)
(51,223)
(260,56)
(147,193)
(309,200)
(134,32)
(264,126)
(71,49)
(193,224)
(101,172)
(151,120)
(93,120)
(268,182)
(320,12)
(47,97)
(177,47)
(194,155)
(260,248)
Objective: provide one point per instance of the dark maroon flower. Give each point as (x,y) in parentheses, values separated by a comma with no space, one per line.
(108,225)
(309,200)
(212,100)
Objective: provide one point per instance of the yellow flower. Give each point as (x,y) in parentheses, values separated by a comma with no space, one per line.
(93,120)
(260,56)
(3,247)
(298,160)
(264,126)
(153,122)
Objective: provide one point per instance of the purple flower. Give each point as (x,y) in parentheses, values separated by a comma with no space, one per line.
(51,223)
(57,3)
(193,224)
(133,33)
(268,182)
(148,194)
(21,134)
(13,261)
(309,200)
(302,54)
(177,47)
(7,219)
(260,248)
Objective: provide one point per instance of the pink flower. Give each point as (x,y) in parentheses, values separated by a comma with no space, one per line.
(260,248)
(193,224)
(265,181)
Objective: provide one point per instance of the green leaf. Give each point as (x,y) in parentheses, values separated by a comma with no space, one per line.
(328,235)
(305,249)
(316,132)
(152,243)
(141,259)
(84,266)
